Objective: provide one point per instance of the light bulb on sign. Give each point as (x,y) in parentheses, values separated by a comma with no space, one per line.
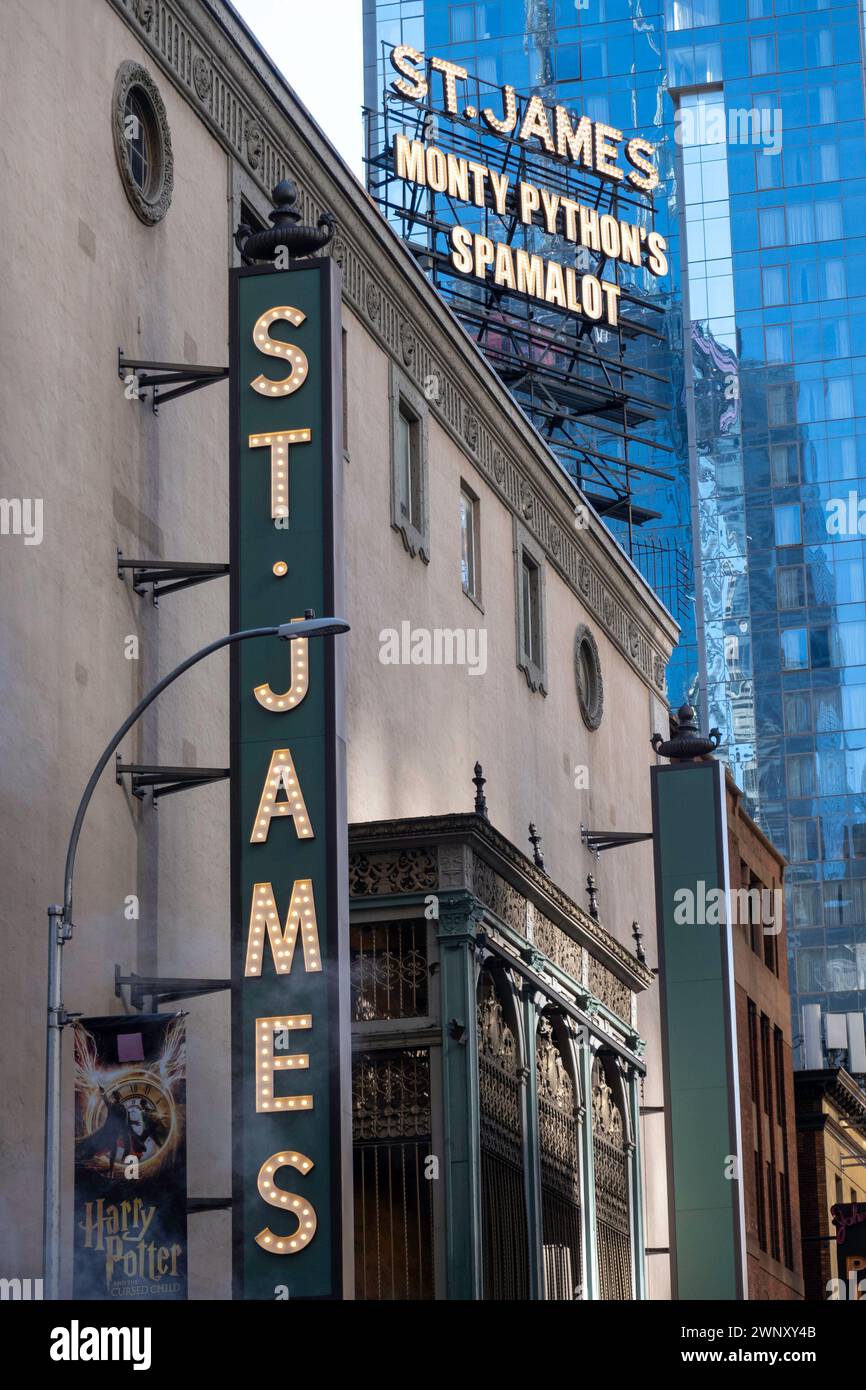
(282,769)
(266,1097)
(283,940)
(274,347)
(303,1212)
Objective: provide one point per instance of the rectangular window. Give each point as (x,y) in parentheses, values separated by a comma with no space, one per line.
(766,1073)
(798,715)
(788,523)
(759,1194)
(774,282)
(779,1050)
(470,570)
(784,464)
(754,911)
(344,360)
(787,1232)
(529,598)
(795,649)
(771,224)
(409,465)
(770,955)
(792,586)
(762,54)
(530,590)
(388,970)
(775,1250)
(753,1050)
(801,775)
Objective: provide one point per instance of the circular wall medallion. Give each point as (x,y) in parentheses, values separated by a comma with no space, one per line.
(142,142)
(587,675)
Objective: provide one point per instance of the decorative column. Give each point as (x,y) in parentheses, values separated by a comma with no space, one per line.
(631,1089)
(459,916)
(587,1047)
(531,1004)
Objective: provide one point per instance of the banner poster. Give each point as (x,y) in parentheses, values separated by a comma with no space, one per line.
(130,1158)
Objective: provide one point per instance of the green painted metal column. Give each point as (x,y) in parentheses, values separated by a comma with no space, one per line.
(631,1079)
(585,1057)
(530,1002)
(459,916)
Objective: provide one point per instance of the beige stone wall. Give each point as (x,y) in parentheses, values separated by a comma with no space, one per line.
(81,277)
(415,732)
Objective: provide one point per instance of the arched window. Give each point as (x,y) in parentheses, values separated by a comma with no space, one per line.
(559,1157)
(610,1154)
(503,1203)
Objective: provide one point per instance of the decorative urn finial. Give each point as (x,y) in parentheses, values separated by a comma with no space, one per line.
(592,894)
(688,742)
(638,942)
(535,841)
(480,799)
(298,241)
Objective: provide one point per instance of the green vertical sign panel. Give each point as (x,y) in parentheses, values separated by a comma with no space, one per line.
(289,830)
(699,1037)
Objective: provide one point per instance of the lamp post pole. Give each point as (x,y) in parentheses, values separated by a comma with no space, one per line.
(60,929)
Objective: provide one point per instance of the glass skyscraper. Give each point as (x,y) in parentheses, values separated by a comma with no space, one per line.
(757,107)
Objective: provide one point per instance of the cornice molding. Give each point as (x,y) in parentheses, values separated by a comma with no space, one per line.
(204,49)
(417,833)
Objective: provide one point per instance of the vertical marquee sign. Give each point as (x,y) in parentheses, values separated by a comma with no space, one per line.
(291,1184)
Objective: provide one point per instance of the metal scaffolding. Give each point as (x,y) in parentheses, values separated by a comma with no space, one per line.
(594,392)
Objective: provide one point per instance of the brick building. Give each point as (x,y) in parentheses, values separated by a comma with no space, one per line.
(775,1265)
(831,1160)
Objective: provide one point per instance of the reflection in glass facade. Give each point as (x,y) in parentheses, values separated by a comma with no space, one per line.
(758,108)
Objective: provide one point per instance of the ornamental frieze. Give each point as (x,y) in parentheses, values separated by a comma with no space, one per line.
(500,897)
(400,871)
(202,78)
(408,343)
(611,991)
(558,947)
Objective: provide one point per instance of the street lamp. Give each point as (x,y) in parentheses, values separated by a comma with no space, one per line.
(60,929)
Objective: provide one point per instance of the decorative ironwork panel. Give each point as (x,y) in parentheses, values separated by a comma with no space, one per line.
(393,1197)
(611,991)
(492,889)
(610,1156)
(503,1201)
(558,947)
(389,970)
(560,1169)
(403,871)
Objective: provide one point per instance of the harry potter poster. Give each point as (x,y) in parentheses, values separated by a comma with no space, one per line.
(130,1158)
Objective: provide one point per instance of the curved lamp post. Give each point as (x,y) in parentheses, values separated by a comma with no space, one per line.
(60,929)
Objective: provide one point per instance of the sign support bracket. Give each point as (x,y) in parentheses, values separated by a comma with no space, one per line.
(163,781)
(163,989)
(597,841)
(167,576)
(182,377)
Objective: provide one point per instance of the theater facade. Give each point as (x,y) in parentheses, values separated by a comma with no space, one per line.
(487,1096)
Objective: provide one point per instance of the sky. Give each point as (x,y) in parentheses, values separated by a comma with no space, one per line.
(317,46)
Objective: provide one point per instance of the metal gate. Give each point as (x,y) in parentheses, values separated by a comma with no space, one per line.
(393,1196)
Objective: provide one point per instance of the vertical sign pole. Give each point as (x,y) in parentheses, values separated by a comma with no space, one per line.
(291,1075)
(699,1040)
